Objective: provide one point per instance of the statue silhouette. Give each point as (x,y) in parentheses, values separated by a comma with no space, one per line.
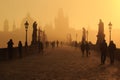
(34,34)
(100,35)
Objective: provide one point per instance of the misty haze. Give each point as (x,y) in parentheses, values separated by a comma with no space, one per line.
(59,40)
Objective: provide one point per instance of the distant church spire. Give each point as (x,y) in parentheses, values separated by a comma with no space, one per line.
(60,12)
(61,21)
(14,26)
(6,26)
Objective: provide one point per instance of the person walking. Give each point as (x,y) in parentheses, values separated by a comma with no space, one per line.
(40,47)
(87,47)
(103,49)
(112,48)
(82,48)
(53,44)
(57,43)
(10,48)
(20,49)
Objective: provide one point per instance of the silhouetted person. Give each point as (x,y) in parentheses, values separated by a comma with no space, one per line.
(75,44)
(40,47)
(53,44)
(61,43)
(82,48)
(87,47)
(20,49)
(112,48)
(103,49)
(10,48)
(47,44)
(57,43)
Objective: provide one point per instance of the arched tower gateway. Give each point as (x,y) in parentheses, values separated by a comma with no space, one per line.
(100,35)
(61,26)
(61,21)
(6,26)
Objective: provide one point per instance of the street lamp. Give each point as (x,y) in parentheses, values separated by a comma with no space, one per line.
(26,28)
(110,27)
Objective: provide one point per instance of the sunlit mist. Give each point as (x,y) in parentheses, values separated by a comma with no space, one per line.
(63,17)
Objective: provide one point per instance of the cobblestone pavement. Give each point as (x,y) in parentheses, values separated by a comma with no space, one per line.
(64,63)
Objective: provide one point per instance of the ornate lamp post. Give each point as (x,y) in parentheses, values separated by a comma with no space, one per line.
(110,28)
(26,28)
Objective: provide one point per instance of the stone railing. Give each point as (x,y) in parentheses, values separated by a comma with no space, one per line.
(25,52)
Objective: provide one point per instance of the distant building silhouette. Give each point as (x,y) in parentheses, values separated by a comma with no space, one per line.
(6,26)
(49,31)
(61,21)
(61,29)
(57,31)
(100,35)
(14,26)
(61,25)
(29,19)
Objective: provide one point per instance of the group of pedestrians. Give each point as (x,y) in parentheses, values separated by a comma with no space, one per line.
(107,49)
(85,48)
(40,47)
(56,43)
(20,48)
(10,49)
(104,49)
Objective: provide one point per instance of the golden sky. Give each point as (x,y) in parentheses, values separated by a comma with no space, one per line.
(81,13)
